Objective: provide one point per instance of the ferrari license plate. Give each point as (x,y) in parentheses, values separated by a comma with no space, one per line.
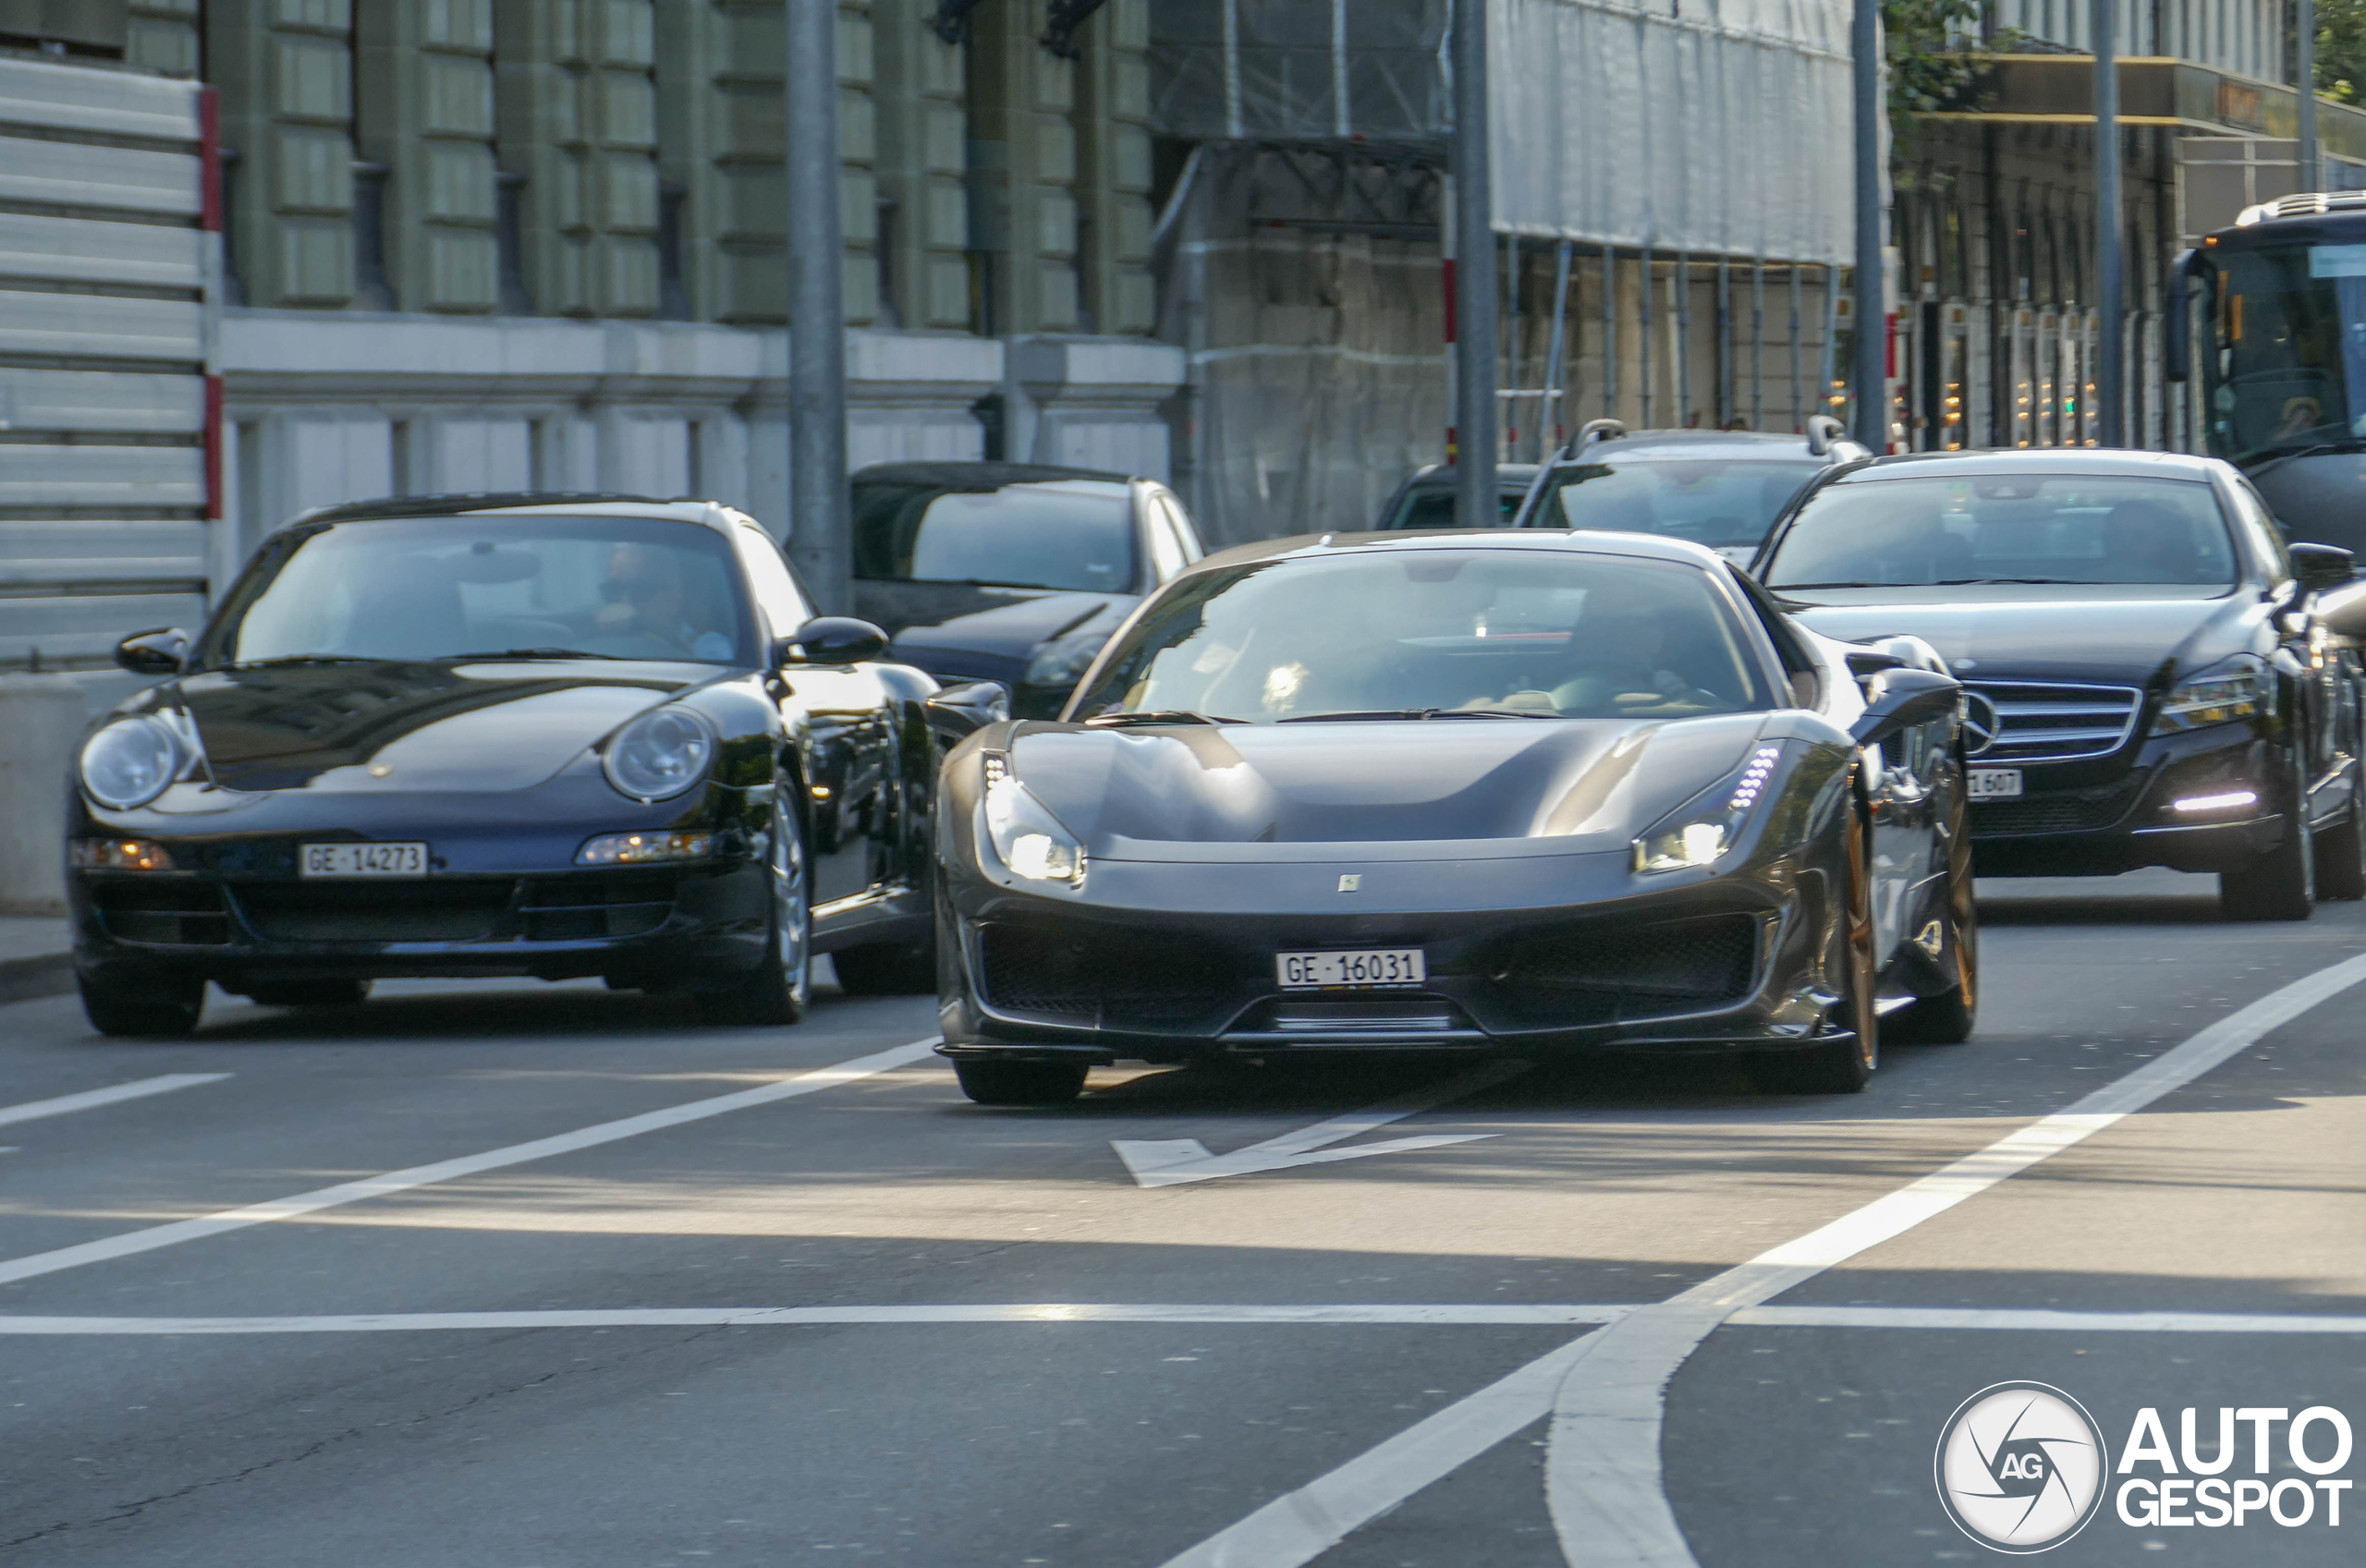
(1995,783)
(1361,967)
(362,860)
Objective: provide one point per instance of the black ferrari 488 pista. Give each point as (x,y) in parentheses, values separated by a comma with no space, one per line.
(1460,791)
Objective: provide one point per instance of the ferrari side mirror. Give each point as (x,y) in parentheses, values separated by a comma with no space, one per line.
(1902,699)
(958,712)
(1866,663)
(835,639)
(159,652)
(2342,612)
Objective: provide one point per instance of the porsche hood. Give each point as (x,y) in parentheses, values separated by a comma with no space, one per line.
(1186,791)
(411,727)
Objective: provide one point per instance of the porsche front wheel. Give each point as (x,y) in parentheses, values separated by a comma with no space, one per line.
(1845,1063)
(777,989)
(141,1006)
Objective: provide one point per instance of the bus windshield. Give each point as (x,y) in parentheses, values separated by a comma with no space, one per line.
(2288,365)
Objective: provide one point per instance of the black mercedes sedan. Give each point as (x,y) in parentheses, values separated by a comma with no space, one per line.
(529,734)
(2153,676)
(1010,572)
(1459,792)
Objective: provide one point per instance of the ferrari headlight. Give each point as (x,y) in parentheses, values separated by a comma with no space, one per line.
(2239,687)
(1063,661)
(130,762)
(1701,834)
(1029,838)
(660,754)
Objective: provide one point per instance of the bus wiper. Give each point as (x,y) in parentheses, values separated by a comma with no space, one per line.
(1158,716)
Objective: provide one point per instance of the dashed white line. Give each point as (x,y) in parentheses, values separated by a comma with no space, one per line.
(2025,1320)
(1603,1477)
(140,1089)
(302,1203)
(1478,1315)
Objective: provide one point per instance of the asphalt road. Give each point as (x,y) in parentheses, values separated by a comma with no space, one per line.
(852,1317)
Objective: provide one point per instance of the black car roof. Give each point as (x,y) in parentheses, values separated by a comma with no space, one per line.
(2097,462)
(979,478)
(1643,546)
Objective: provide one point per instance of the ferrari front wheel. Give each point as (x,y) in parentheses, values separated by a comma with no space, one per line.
(989,1082)
(1843,1062)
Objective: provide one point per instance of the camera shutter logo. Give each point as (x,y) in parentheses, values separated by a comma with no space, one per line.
(2021,1468)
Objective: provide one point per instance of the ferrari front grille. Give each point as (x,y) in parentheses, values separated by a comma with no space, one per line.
(2053,723)
(1677,965)
(1114,979)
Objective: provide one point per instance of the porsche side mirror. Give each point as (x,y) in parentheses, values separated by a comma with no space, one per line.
(161,652)
(835,639)
(958,712)
(1902,700)
(2343,612)
(2320,567)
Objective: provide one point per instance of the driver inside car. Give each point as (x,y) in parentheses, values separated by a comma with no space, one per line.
(1615,661)
(643,599)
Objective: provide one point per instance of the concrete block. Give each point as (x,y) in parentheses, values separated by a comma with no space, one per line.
(42,719)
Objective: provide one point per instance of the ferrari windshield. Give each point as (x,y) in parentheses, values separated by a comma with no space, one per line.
(1420,634)
(2005,528)
(460,588)
(1720,503)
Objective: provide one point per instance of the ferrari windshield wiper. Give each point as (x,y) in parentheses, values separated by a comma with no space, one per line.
(1975,582)
(1785,588)
(530,653)
(1159,716)
(1413,714)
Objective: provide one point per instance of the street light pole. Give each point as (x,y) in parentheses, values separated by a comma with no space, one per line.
(1475,502)
(1869,366)
(818,501)
(2109,349)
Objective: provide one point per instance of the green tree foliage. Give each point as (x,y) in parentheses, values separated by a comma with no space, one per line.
(2341,49)
(1924,75)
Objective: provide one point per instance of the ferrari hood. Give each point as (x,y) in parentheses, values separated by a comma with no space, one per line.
(412,728)
(1148,795)
(982,633)
(2045,633)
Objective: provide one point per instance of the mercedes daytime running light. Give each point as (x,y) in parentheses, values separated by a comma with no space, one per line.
(130,762)
(660,754)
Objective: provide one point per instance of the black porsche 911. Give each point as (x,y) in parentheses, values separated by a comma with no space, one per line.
(1531,792)
(530,734)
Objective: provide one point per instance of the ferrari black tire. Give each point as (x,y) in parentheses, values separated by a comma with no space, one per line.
(143,1007)
(1949,1018)
(1019,1083)
(309,993)
(888,969)
(1845,1063)
(777,990)
(2279,885)
(2341,856)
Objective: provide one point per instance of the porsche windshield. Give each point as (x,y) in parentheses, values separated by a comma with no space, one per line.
(1720,503)
(456,588)
(2004,530)
(1423,634)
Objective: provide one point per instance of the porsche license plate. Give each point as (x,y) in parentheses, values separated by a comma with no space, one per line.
(362,860)
(1361,967)
(1995,783)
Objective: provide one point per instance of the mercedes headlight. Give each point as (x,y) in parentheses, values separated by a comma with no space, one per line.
(1700,834)
(1029,838)
(1063,661)
(660,754)
(2239,687)
(130,762)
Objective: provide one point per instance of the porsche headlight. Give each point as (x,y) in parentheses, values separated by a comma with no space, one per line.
(660,754)
(1701,834)
(1029,838)
(2239,687)
(130,762)
(1063,661)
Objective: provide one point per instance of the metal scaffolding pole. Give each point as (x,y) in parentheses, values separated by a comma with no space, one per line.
(2305,31)
(1476,504)
(1681,280)
(1725,343)
(1873,317)
(819,502)
(1555,397)
(1648,321)
(2110,224)
(1509,400)
(1758,343)
(1609,333)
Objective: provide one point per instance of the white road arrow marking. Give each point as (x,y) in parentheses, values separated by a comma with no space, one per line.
(1165,1163)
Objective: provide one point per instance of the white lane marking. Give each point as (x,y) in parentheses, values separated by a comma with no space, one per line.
(313,1202)
(1603,1476)
(1162,1163)
(1480,1314)
(2023,1319)
(140,1088)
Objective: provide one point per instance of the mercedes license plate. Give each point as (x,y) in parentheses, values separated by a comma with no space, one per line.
(362,860)
(1995,783)
(1362,967)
